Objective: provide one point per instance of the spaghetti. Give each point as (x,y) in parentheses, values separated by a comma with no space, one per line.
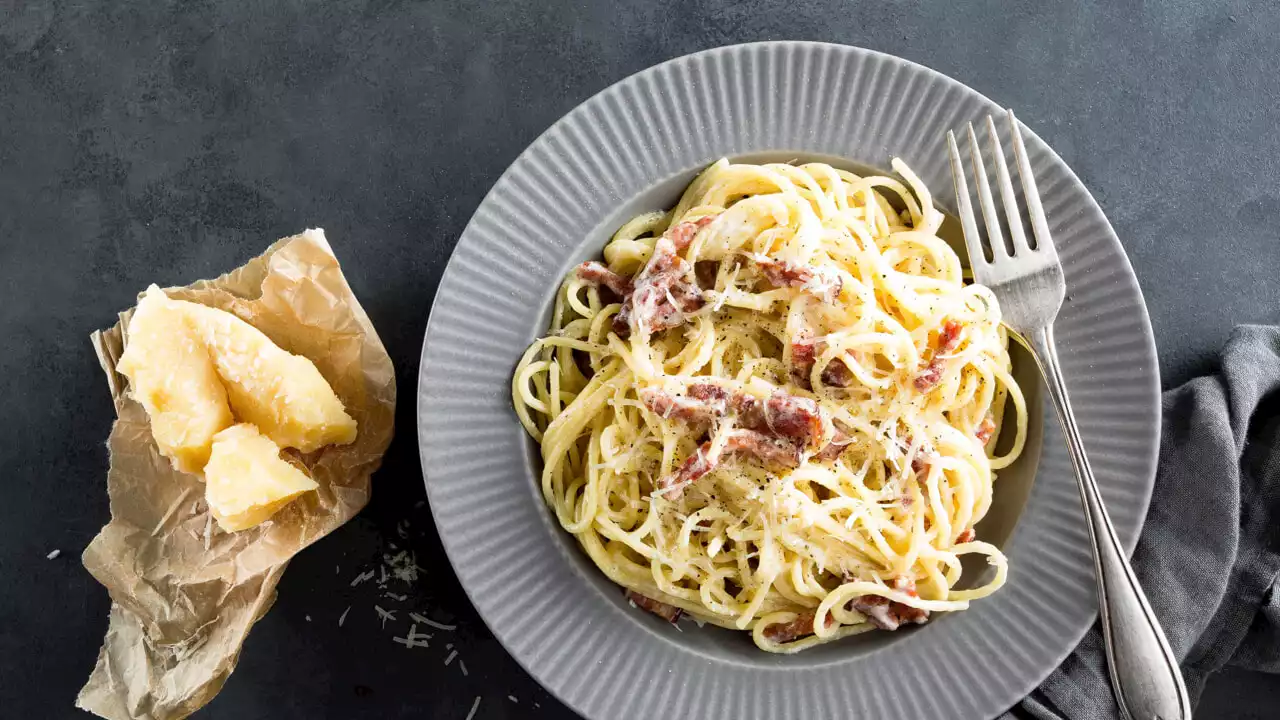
(773,407)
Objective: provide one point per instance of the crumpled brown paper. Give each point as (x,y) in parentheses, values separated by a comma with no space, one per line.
(184,594)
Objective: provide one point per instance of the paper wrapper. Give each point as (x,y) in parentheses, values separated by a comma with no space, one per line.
(184,594)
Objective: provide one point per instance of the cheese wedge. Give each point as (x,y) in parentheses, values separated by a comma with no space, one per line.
(283,394)
(246,481)
(172,376)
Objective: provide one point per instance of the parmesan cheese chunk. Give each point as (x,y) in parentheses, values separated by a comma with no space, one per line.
(246,479)
(283,394)
(174,379)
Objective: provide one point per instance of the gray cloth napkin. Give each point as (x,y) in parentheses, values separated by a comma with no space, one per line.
(1209,555)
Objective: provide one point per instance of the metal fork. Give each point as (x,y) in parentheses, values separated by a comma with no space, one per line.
(1028,282)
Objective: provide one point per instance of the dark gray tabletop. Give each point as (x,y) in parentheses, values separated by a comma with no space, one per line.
(168,141)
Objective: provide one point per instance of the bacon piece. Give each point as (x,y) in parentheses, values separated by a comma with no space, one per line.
(837,374)
(702,461)
(715,396)
(773,451)
(781,273)
(597,274)
(783,415)
(839,441)
(794,418)
(967,536)
(986,429)
(739,442)
(884,613)
(664,294)
(929,378)
(919,463)
(690,409)
(910,615)
(949,336)
(880,611)
(804,353)
(948,339)
(700,404)
(887,614)
(772,431)
(682,235)
(798,628)
(750,411)
(831,452)
(670,613)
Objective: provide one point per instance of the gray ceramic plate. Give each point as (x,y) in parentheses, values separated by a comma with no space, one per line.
(632,148)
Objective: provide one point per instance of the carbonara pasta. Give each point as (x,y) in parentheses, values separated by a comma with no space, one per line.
(773,407)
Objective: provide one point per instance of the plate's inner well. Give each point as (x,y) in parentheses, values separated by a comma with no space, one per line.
(1012,486)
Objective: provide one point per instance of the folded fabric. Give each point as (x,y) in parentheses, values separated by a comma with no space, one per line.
(1209,554)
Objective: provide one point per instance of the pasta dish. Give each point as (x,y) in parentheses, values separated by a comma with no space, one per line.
(773,408)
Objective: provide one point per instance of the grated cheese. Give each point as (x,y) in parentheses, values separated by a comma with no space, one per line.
(53,554)
(474,706)
(450,658)
(415,639)
(463,667)
(404,567)
(385,615)
(428,621)
(343,617)
(367,575)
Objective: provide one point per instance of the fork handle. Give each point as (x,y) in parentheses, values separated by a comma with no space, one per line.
(1144,673)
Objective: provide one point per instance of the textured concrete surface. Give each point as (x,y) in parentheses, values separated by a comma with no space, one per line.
(169,140)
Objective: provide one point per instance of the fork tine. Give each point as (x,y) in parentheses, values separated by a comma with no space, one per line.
(995,238)
(1039,225)
(977,257)
(1016,233)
